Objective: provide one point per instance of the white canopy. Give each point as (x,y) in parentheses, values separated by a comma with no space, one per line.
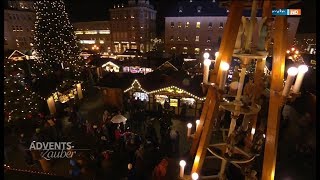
(118,119)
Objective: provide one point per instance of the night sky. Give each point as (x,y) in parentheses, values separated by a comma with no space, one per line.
(86,10)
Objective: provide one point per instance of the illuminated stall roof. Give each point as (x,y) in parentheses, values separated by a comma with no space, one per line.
(16,55)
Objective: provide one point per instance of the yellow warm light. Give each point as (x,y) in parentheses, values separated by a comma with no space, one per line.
(288,51)
(194,176)
(292,71)
(292,49)
(224,66)
(206,55)
(189,125)
(297,52)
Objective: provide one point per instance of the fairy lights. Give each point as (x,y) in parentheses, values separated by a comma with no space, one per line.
(54,39)
(137,85)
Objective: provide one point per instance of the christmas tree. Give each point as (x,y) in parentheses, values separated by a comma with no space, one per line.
(55,41)
(19,101)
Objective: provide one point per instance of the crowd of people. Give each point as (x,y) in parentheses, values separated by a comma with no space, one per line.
(145,154)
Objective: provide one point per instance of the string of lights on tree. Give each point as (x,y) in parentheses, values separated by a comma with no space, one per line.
(54,38)
(19,100)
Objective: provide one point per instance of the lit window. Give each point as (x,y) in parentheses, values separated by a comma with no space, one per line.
(178,38)
(186,38)
(185,50)
(87,41)
(197,38)
(90,32)
(210,26)
(171,38)
(104,31)
(179,24)
(132,17)
(173,48)
(196,50)
(187,24)
(78,32)
(209,39)
(101,41)
(198,25)
(172,24)
(221,25)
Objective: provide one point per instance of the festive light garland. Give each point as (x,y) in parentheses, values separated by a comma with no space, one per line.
(162,89)
(7,167)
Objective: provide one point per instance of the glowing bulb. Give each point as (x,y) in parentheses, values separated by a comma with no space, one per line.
(206,55)
(264,136)
(189,125)
(297,52)
(288,51)
(303,68)
(216,54)
(253,130)
(198,122)
(290,57)
(194,176)
(182,163)
(207,62)
(224,66)
(292,71)
(292,49)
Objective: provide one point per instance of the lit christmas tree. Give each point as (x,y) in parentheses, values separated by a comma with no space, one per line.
(55,41)
(19,101)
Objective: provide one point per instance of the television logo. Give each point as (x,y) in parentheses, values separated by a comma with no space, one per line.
(286,12)
(294,12)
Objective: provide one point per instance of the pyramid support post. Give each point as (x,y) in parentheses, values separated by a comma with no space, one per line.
(276,101)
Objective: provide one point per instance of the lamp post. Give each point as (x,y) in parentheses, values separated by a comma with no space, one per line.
(206,67)
(302,69)
(182,165)
(292,72)
(189,125)
(224,72)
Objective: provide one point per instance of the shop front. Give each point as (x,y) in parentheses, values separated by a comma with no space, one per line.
(179,101)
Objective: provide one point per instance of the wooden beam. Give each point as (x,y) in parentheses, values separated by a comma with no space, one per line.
(207,132)
(275,103)
(228,38)
(207,104)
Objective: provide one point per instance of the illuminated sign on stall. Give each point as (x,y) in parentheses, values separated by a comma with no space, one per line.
(174,102)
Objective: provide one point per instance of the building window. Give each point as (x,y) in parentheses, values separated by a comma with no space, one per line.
(198,25)
(91,32)
(171,38)
(186,38)
(196,50)
(172,24)
(197,38)
(209,39)
(199,9)
(78,32)
(185,50)
(173,48)
(210,26)
(180,9)
(187,24)
(221,25)
(179,24)
(178,38)
(13,28)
